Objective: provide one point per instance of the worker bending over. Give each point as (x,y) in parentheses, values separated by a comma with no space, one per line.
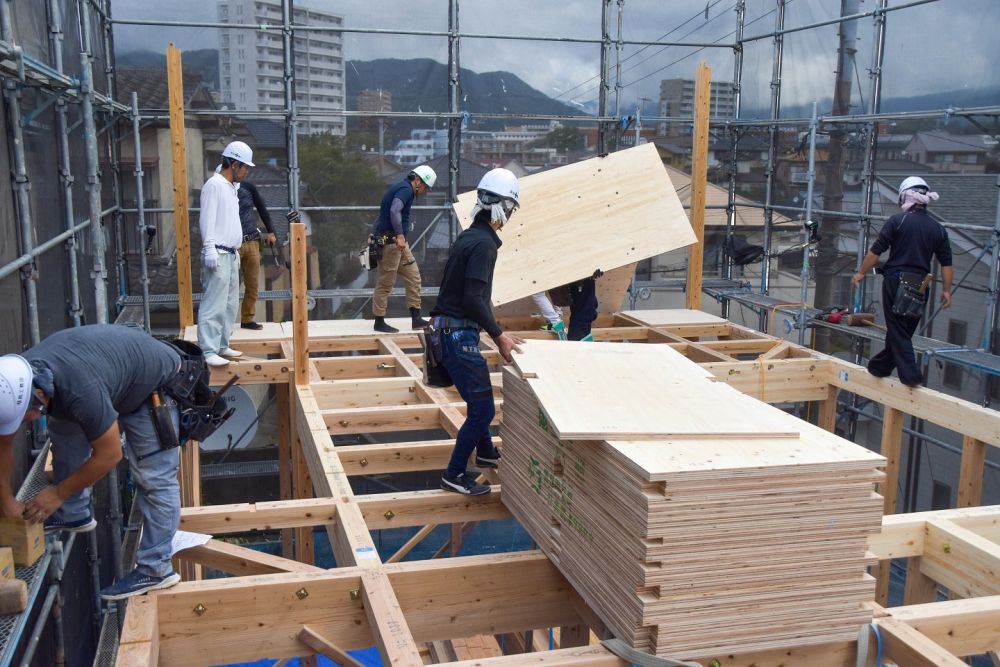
(463,309)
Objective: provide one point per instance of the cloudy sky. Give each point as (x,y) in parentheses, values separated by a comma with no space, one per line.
(941,46)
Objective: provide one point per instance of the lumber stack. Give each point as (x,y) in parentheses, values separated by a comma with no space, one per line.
(750,535)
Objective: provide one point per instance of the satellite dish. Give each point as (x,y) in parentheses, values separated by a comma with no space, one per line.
(240,428)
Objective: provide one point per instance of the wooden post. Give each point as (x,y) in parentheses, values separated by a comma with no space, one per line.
(892,439)
(284,459)
(699,176)
(827,419)
(182,229)
(970,479)
(300,303)
(302,486)
(190,479)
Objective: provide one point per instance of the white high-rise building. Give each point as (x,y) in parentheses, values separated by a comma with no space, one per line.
(251,66)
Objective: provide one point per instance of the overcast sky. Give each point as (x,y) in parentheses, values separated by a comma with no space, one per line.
(941,46)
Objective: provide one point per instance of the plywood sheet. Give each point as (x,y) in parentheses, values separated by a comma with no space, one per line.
(271,331)
(617,391)
(676,316)
(612,288)
(601,213)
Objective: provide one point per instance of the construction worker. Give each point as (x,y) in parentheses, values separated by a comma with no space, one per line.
(252,205)
(912,237)
(392,226)
(463,309)
(222,236)
(583,307)
(94,382)
(551,313)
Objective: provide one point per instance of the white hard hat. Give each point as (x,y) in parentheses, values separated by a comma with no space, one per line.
(425,174)
(238,150)
(909,183)
(501,183)
(15,392)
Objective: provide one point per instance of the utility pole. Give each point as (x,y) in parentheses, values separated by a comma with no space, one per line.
(833,181)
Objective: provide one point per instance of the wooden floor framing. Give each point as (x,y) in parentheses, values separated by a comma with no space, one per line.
(454,609)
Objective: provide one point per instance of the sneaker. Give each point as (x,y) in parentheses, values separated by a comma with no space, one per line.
(489,461)
(230,352)
(137,583)
(84,525)
(465,484)
(213,359)
(256,326)
(559,329)
(382,327)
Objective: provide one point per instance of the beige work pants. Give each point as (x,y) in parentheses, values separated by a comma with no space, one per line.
(250,270)
(395,261)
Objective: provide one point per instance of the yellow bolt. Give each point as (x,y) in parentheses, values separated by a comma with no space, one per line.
(199,609)
(302,594)
(388,515)
(946,548)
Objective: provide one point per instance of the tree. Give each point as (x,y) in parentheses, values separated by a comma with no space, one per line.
(563,139)
(338,175)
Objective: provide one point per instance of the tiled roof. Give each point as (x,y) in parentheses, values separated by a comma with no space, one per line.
(953,143)
(266,133)
(151,85)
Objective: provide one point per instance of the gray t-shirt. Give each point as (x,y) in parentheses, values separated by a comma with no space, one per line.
(102,371)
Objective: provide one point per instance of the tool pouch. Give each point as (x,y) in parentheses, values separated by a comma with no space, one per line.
(908,301)
(163,424)
(202,411)
(435,374)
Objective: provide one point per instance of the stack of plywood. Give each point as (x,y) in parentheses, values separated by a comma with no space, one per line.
(693,519)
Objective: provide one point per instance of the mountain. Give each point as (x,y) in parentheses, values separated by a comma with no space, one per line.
(203,61)
(960,99)
(421,84)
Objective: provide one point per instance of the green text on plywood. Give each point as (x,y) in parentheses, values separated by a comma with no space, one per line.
(556,495)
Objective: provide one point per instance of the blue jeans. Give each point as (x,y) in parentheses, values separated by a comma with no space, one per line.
(220,300)
(468,370)
(582,308)
(155,477)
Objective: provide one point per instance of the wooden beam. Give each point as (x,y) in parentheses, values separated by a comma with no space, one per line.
(963,627)
(302,486)
(320,644)
(253,371)
(395,643)
(241,561)
(902,535)
(906,646)
(300,306)
(396,457)
(178,154)
(284,462)
(919,587)
(970,477)
(417,538)
(827,419)
(965,563)
(416,508)
(139,644)
(699,179)
(777,381)
(952,413)
(190,478)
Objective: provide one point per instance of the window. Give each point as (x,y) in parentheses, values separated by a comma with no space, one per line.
(958,332)
(940,496)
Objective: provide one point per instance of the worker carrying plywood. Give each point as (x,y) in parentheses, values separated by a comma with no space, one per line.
(93,382)
(463,309)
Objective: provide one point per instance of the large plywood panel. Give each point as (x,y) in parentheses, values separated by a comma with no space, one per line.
(602,213)
(612,289)
(618,391)
(658,318)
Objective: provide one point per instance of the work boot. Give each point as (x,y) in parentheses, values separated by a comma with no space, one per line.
(382,327)
(415,319)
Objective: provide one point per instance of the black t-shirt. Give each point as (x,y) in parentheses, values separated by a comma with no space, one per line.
(467,284)
(913,238)
(102,371)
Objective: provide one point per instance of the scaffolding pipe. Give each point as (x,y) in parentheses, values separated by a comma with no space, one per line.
(65,170)
(291,112)
(22,185)
(990,321)
(53,601)
(839,19)
(602,96)
(99,272)
(114,155)
(140,210)
(618,79)
(727,270)
(807,230)
(454,124)
(772,152)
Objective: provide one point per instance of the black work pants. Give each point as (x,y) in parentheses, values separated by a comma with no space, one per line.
(582,308)
(898,351)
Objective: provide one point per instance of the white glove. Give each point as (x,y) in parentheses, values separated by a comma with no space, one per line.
(211,259)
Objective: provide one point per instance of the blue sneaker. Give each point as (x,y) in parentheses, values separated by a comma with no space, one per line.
(84,525)
(137,583)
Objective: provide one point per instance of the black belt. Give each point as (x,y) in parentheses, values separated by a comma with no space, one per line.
(225,248)
(251,237)
(441,322)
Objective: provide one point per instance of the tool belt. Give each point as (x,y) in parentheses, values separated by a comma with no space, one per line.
(447,324)
(435,374)
(202,411)
(370,255)
(910,298)
(254,236)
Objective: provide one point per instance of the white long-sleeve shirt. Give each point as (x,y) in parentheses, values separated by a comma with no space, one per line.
(219,220)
